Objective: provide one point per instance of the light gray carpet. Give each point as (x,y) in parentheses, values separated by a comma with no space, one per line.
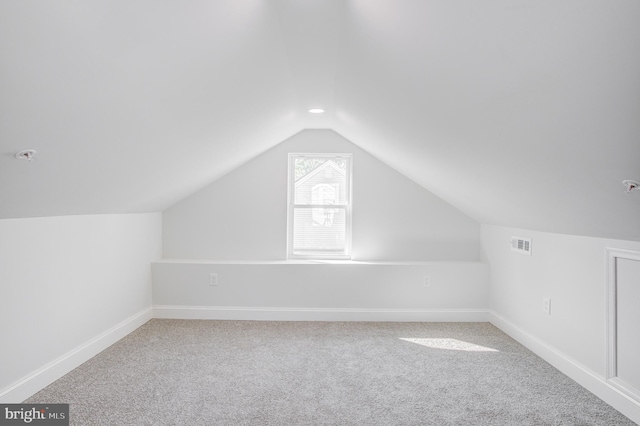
(178,372)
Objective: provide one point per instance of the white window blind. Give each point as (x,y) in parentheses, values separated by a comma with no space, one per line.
(319,212)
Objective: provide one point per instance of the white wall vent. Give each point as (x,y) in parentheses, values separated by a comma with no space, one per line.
(521,245)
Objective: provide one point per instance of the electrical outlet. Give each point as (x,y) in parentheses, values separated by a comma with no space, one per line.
(546,305)
(426,281)
(213,279)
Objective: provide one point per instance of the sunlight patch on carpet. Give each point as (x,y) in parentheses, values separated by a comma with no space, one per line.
(449,344)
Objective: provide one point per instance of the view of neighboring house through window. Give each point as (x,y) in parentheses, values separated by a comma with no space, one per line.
(319,206)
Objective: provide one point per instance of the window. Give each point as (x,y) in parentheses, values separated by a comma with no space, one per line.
(319,213)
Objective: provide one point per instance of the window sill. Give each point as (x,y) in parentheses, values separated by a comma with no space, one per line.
(311,262)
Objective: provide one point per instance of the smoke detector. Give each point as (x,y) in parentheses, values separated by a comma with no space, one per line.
(631,185)
(27,154)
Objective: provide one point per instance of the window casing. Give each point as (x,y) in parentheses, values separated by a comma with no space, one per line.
(319,206)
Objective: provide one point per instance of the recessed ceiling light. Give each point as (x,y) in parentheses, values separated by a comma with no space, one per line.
(316,110)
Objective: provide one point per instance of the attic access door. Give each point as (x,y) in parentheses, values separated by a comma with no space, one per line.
(623,338)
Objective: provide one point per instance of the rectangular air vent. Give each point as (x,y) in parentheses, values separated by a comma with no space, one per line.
(521,245)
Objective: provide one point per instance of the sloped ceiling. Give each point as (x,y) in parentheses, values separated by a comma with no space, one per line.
(522,113)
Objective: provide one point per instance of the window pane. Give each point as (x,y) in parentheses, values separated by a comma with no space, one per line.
(305,165)
(320,181)
(319,230)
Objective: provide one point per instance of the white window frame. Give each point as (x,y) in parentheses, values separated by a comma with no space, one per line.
(346,255)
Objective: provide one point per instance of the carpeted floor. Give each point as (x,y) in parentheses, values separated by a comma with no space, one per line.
(179,372)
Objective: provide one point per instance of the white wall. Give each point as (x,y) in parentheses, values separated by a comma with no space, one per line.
(66,280)
(572,271)
(341,291)
(243,214)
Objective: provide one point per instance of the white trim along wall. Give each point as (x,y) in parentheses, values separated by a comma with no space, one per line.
(52,371)
(613,257)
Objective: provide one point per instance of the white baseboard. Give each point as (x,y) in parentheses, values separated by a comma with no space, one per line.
(319,314)
(47,374)
(584,376)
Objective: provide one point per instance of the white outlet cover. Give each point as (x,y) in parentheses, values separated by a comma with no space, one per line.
(213,279)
